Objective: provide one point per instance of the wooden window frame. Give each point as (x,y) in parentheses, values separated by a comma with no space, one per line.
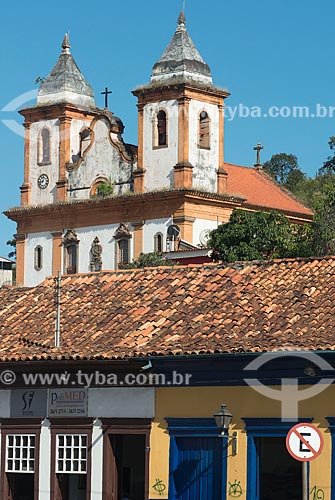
(155,135)
(71,269)
(119,262)
(19,426)
(207,146)
(40,155)
(66,426)
(124,426)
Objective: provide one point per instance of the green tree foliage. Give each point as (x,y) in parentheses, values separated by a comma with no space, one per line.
(262,235)
(324,220)
(259,236)
(328,167)
(153,259)
(284,169)
(12,243)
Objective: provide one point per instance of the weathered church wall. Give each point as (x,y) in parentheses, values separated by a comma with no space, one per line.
(204,161)
(48,195)
(159,161)
(150,229)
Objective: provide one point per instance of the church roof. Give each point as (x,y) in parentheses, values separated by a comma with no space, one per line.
(66,83)
(212,309)
(260,191)
(181,60)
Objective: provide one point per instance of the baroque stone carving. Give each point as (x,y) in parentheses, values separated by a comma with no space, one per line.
(95,255)
(70,237)
(122,232)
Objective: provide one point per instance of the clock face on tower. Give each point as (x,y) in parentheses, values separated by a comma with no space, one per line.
(43,181)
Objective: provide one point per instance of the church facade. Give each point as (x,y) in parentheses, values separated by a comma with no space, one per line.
(91,202)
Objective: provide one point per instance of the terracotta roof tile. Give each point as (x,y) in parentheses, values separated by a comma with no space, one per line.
(242,307)
(259,190)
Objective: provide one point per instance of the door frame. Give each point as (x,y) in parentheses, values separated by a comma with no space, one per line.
(195,428)
(124,426)
(19,426)
(69,426)
(257,428)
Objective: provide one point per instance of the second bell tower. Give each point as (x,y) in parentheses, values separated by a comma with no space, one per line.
(181,122)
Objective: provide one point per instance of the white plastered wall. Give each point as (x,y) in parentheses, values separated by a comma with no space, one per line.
(45,465)
(159,162)
(202,225)
(48,195)
(105,234)
(33,277)
(204,161)
(152,227)
(6,277)
(85,236)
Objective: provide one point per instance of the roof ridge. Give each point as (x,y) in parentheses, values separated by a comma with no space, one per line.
(200,267)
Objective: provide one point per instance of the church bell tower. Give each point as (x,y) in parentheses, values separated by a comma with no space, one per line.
(65,105)
(180,122)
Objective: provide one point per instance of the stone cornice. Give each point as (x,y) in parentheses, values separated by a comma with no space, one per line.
(21,213)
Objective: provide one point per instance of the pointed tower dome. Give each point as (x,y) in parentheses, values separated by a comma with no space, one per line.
(181,60)
(66,83)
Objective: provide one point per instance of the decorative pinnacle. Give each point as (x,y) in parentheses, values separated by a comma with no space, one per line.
(66,44)
(182,19)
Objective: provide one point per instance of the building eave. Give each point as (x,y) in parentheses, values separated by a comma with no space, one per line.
(19,213)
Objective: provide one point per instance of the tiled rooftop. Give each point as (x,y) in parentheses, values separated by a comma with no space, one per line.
(260,190)
(247,307)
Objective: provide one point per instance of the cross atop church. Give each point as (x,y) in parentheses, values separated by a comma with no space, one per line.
(258,148)
(106,93)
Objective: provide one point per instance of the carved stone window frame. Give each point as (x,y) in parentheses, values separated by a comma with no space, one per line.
(38,258)
(159,242)
(70,240)
(155,130)
(41,160)
(121,235)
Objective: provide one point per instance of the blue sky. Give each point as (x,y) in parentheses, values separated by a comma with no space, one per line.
(265,53)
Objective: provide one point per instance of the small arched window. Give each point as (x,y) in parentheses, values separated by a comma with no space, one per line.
(158,243)
(123,252)
(44,147)
(122,245)
(38,258)
(204,131)
(162,139)
(71,259)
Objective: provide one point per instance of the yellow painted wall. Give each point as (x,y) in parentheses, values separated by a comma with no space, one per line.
(193,402)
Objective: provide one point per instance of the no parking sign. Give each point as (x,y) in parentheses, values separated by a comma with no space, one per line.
(304,442)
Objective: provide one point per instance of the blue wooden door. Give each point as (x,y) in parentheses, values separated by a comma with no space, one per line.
(198,469)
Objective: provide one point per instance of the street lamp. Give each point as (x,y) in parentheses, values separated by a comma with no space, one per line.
(223,420)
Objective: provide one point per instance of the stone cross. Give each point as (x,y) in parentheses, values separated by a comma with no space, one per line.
(106,93)
(258,148)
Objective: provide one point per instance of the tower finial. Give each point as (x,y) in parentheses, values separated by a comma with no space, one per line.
(66,44)
(182,19)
